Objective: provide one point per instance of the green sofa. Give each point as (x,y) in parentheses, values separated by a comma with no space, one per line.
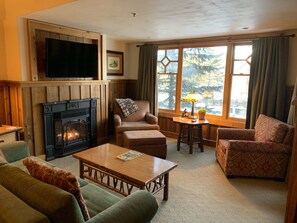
(24,199)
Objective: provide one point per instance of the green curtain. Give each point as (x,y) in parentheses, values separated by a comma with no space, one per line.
(147,76)
(268,77)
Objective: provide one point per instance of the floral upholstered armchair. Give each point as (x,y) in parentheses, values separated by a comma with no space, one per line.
(261,152)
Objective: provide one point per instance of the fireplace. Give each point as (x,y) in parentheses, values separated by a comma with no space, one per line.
(69,126)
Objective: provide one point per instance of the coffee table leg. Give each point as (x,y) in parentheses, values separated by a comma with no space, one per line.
(81,169)
(166,188)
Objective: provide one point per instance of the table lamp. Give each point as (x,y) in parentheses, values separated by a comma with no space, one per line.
(191,97)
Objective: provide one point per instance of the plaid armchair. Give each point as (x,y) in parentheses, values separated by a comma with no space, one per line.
(260,152)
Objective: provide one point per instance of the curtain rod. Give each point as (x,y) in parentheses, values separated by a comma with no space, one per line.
(228,39)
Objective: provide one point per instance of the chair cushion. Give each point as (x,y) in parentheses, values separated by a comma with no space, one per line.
(269,129)
(15,210)
(133,126)
(144,137)
(57,177)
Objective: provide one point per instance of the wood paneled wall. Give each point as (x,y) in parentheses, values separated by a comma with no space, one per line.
(39,31)
(119,89)
(26,100)
(10,106)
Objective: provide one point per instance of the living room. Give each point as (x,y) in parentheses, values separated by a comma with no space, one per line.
(18,72)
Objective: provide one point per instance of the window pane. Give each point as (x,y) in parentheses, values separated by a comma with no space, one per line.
(172,54)
(242,59)
(161,54)
(241,67)
(160,68)
(172,67)
(239,95)
(242,51)
(204,72)
(166,91)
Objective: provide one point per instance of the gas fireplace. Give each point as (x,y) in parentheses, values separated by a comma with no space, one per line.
(69,126)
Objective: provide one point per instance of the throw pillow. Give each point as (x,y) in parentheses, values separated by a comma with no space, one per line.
(127,106)
(57,177)
(269,129)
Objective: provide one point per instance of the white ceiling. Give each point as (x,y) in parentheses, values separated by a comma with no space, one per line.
(173,19)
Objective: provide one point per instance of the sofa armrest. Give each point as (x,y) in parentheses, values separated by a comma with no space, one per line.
(117,120)
(256,146)
(235,133)
(150,118)
(14,151)
(139,207)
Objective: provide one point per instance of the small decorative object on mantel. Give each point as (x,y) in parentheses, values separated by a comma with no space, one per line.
(115,63)
(202,113)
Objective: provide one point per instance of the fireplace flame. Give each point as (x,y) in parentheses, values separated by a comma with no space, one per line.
(69,135)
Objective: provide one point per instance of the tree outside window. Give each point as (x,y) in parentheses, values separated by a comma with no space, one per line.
(204,72)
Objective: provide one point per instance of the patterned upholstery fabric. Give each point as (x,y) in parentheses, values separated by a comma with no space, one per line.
(57,177)
(269,129)
(256,153)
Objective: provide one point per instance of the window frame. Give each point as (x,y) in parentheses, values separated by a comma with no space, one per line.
(224,119)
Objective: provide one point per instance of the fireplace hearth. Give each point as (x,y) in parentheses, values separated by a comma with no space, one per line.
(69,126)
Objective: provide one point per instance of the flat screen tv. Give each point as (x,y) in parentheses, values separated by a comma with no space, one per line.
(66,59)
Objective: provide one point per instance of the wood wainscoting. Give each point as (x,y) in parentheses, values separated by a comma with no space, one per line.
(23,105)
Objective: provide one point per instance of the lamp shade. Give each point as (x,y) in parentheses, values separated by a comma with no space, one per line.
(191,97)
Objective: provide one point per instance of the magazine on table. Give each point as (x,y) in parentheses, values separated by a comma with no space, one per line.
(130,155)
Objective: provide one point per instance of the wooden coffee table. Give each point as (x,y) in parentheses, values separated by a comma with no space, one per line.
(101,165)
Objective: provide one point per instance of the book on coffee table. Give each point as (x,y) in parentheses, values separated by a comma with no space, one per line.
(130,155)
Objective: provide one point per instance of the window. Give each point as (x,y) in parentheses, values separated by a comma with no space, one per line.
(167,68)
(204,72)
(218,73)
(240,80)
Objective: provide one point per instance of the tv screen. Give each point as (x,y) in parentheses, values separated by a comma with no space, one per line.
(68,59)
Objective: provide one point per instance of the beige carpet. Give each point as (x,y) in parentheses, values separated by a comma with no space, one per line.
(200,192)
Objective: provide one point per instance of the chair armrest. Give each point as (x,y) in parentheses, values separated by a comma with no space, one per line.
(141,206)
(14,151)
(150,118)
(235,133)
(117,120)
(256,146)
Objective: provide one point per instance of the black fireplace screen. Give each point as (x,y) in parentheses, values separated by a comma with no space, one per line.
(72,132)
(69,126)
